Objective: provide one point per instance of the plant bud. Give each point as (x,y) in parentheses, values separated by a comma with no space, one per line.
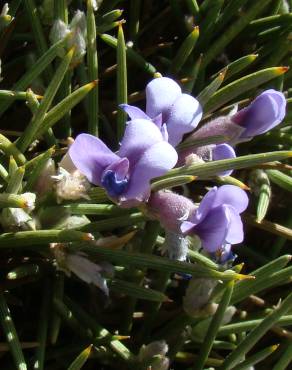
(176,246)
(70,186)
(196,301)
(170,209)
(45,182)
(257,179)
(81,266)
(153,355)
(14,218)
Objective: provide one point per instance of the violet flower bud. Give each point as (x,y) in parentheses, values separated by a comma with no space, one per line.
(207,153)
(217,220)
(170,209)
(264,113)
(170,109)
(125,175)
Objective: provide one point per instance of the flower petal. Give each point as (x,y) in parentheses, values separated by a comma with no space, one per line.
(186,227)
(160,95)
(213,229)
(233,196)
(134,112)
(121,168)
(91,156)
(264,113)
(140,134)
(184,116)
(235,230)
(155,161)
(223,151)
(205,206)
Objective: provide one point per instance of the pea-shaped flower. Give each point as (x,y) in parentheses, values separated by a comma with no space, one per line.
(217,220)
(261,115)
(125,175)
(264,113)
(172,111)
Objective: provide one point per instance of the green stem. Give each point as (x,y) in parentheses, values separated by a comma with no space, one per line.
(214,327)
(43,328)
(11,334)
(256,334)
(92,63)
(29,238)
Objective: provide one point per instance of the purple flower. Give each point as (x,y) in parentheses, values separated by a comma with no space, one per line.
(265,112)
(217,221)
(207,153)
(170,209)
(172,111)
(260,116)
(125,175)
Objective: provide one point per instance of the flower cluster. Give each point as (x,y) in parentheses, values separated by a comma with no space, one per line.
(148,150)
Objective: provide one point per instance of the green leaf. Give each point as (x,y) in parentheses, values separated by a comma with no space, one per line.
(185,50)
(258,357)
(248,325)
(80,360)
(58,293)
(38,67)
(11,334)
(238,87)
(281,179)
(245,288)
(122,89)
(10,149)
(32,129)
(13,201)
(43,327)
(63,130)
(94,209)
(155,262)
(214,327)
(29,238)
(37,169)
(115,222)
(215,167)
(196,143)
(264,192)
(40,40)
(131,54)
(172,182)
(92,63)
(210,89)
(233,30)
(269,226)
(231,10)
(134,290)
(285,359)
(238,65)
(64,106)
(192,75)
(134,18)
(256,334)
(193,7)
(14,185)
(261,283)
